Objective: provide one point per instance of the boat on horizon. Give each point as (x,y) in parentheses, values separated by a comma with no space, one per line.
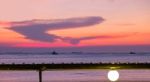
(54,53)
(132,53)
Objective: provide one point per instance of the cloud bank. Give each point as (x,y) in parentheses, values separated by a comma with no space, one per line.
(37,29)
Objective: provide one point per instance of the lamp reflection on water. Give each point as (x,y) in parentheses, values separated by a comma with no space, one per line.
(113,75)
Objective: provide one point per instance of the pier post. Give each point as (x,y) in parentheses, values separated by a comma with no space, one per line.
(40,75)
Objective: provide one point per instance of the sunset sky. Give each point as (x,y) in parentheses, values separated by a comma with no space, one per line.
(74,23)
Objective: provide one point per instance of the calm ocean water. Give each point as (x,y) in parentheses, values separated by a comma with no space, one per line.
(74,75)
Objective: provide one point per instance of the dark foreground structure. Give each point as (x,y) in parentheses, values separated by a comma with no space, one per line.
(63,66)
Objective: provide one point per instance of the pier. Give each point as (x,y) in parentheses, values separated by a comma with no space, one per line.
(67,66)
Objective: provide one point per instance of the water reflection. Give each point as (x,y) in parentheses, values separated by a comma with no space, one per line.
(142,75)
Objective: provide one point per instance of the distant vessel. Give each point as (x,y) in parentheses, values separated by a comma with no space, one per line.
(54,53)
(132,53)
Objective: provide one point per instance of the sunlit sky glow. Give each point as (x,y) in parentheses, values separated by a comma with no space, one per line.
(31,23)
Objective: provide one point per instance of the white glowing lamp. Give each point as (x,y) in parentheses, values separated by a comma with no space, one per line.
(113,75)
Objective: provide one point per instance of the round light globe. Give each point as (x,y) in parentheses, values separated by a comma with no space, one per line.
(113,75)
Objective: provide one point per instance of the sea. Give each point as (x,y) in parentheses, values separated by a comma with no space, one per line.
(80,75)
